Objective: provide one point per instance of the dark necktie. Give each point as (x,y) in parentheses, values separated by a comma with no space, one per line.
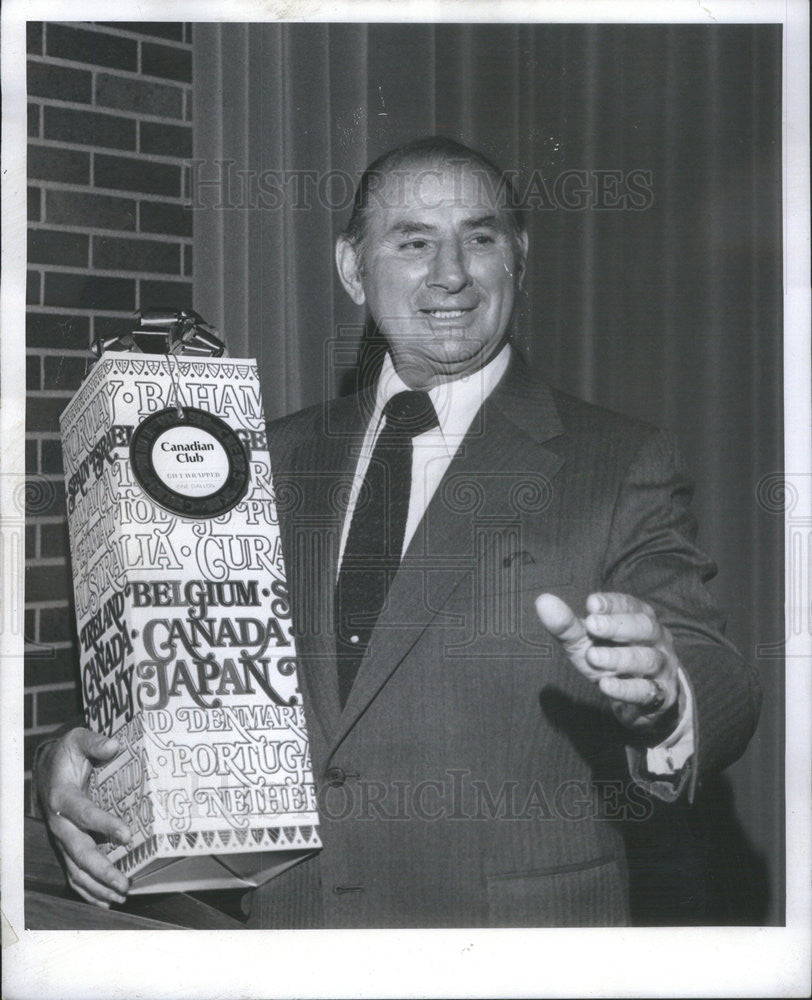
(374,543)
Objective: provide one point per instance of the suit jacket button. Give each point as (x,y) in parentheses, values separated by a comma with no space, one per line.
(335,776)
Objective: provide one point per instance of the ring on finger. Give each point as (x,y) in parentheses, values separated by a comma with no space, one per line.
(656,699)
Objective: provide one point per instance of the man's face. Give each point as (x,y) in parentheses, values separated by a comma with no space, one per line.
(438,271)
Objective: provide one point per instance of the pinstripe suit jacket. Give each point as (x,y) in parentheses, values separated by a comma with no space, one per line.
(474,778)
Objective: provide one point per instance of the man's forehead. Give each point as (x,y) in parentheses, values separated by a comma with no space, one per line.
(412,224)
(411,194)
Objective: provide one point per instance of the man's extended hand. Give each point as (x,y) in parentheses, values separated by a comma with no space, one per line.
(62,774)
(622,648)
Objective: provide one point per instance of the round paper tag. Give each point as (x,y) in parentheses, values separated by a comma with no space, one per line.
(193,465)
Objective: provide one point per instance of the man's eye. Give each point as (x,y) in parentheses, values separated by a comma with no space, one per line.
(414,245)
(483,239)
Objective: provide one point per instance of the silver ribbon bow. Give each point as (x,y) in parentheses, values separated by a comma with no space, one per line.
(174,331)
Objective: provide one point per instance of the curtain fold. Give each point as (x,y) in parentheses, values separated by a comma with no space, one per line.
(665,304)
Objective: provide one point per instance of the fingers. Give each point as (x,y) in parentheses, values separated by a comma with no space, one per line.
(89,888)
(72,816)
(95,747)
(621,646)
(630,627)
(609,603)
(79,810)
(62,780)
(640,661)
(85,864)
(561,621)
(643,693)
(612,617)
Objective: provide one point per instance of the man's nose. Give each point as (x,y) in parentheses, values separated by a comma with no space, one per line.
(448,268)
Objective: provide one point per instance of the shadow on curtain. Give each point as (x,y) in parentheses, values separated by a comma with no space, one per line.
(651,159)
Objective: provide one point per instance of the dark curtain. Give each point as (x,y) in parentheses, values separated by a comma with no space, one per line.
(665,304)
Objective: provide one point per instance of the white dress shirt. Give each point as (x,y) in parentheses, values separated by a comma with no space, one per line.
(456,404)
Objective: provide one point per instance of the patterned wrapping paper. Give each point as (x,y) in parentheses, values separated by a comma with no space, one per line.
(186,648)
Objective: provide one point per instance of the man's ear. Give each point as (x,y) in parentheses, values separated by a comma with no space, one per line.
(522,244)
(349,270)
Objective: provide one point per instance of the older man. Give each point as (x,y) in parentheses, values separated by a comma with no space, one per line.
(506,648)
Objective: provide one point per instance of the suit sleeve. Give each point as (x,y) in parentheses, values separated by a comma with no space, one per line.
(652,555)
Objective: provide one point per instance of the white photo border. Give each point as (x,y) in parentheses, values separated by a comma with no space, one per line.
(685,962)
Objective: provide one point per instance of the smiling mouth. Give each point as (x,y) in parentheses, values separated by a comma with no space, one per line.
(447,313)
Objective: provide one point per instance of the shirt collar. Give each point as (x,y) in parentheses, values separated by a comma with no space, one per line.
(456,402)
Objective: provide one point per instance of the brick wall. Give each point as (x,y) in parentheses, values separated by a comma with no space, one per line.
(110,129)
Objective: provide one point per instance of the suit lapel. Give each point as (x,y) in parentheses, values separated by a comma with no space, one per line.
(502,452)
(314,488)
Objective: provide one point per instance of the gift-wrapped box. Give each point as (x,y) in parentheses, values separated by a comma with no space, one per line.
(187,655)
